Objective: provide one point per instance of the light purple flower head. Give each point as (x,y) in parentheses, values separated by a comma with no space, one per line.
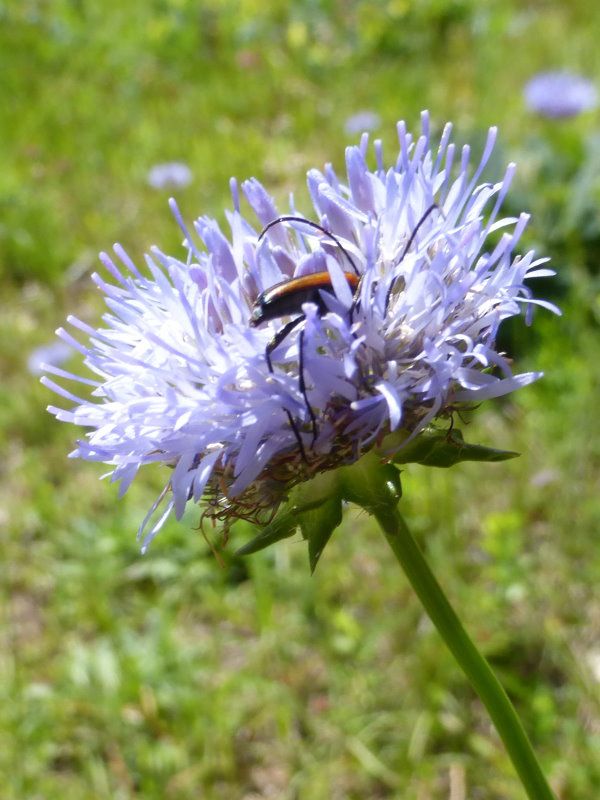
(560,94)
(53,354)
(181,375)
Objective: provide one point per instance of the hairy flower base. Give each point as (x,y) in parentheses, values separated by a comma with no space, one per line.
(260,501)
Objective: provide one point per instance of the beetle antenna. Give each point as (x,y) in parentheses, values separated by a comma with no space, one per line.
(311,224)
(407,247)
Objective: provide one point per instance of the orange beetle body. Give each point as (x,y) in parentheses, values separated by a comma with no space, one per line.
(287,297)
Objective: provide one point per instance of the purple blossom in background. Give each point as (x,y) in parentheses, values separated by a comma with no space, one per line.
(560,94)
(362,121)
(172,175)
(53,354)
(179,376)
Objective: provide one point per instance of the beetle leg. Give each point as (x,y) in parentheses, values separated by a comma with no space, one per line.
(302,387)
(273,345)
(281,334)
(294,428)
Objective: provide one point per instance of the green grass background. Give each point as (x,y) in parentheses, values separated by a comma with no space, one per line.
(167,676)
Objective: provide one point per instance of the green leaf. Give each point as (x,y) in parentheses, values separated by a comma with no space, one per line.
(444,449)
(282,527)
(317,525)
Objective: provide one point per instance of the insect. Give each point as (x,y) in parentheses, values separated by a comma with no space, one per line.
(287,297)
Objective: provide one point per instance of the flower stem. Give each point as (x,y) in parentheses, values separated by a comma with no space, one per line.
(470,660)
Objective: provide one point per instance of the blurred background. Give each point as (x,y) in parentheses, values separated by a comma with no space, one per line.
(167,675)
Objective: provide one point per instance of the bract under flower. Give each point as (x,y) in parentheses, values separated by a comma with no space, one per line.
(181,377)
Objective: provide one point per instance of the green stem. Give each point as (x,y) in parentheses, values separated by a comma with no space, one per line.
(472,663)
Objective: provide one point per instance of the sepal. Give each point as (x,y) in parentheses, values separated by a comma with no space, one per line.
(281,527)
(317,525)
(435,448)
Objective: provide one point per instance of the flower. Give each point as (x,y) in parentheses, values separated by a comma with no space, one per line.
(560,94)
(54,353)
(172,174)
(362,121)
(180,370)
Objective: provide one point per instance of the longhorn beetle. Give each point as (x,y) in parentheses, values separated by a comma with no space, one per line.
(287,297)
